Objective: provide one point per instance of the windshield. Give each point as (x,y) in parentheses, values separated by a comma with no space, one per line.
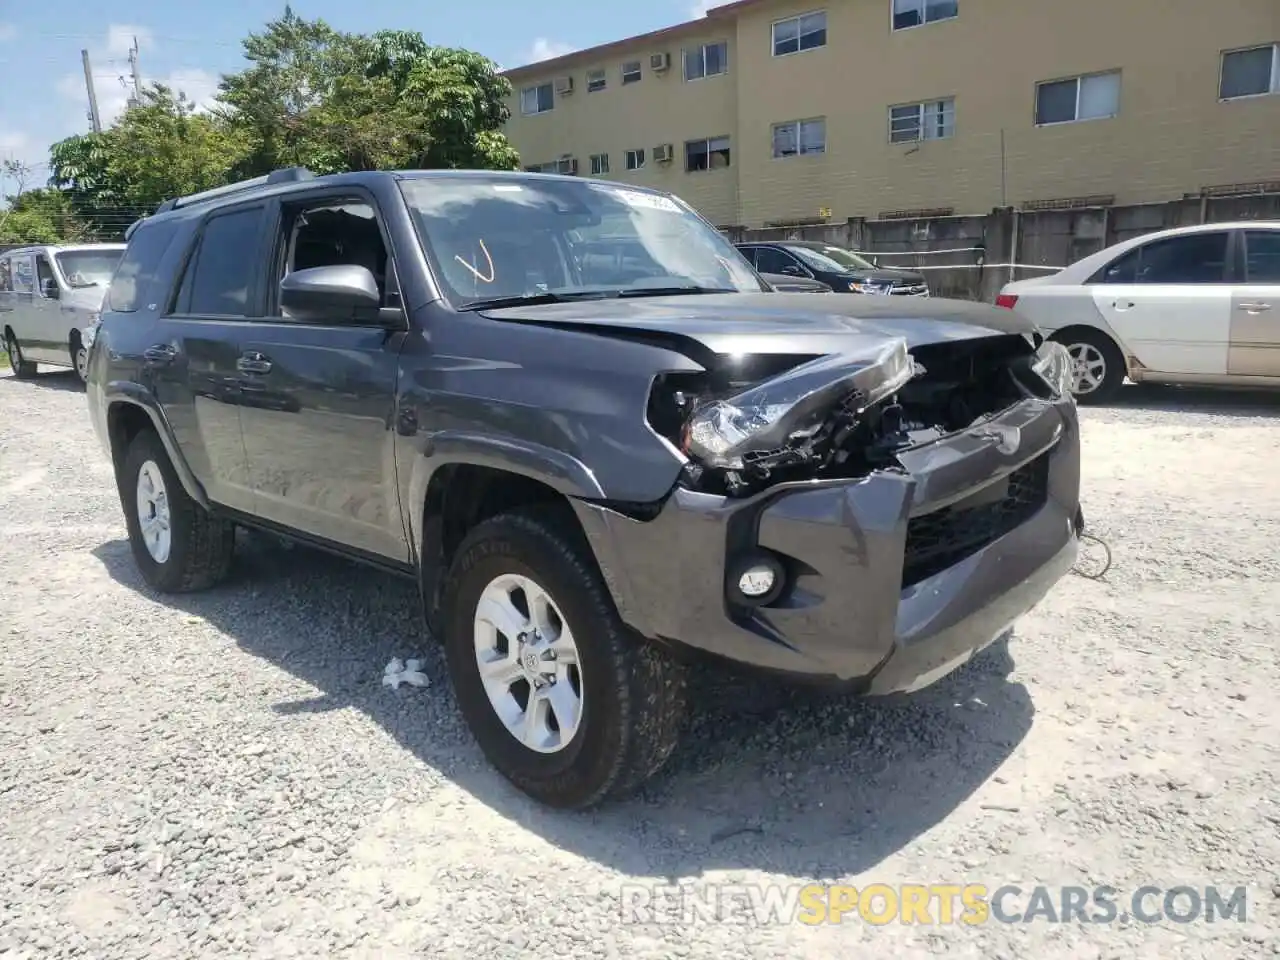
(831,258)
(492,238)
(88,268)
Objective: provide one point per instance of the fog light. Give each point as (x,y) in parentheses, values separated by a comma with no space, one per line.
(756,581)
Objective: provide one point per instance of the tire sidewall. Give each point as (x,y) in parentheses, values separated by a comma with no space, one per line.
(1113,379)
(584,764)
(146,446)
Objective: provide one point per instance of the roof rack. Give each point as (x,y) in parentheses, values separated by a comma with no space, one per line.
(283,175)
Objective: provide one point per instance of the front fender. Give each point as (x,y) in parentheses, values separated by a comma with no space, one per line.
(558,470)
(138,396)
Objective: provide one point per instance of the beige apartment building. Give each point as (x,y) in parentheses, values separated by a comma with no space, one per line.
(782,112)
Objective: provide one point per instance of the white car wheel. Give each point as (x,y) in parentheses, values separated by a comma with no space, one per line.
(1090,368)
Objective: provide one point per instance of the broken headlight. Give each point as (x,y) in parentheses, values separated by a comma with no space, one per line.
(1055,366)
(791,406)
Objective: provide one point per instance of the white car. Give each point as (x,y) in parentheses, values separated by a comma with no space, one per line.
(1192,305)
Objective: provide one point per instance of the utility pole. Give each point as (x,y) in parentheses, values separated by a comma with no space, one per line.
(137,77)
(94,118)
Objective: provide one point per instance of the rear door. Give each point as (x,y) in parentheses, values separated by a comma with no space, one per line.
(1255,307)
(197,346)
(1170,302)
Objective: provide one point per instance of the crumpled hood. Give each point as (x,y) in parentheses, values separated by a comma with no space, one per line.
(765,323)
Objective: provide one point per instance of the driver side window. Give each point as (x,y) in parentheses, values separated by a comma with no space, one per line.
(333,234)
(772,260)
(46,285)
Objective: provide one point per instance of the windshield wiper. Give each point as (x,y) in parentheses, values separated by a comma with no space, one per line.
(532,299)
(673,291)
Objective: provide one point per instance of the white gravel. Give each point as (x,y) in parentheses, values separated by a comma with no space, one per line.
(227,774)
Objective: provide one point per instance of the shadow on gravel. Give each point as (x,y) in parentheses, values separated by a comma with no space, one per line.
(765,778)
(1202,400)
(55,379)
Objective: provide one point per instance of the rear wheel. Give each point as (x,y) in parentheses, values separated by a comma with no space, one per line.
(1099,364)
(564,700)
(22,369)
(178,546)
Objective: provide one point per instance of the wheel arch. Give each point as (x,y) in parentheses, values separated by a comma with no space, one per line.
(131,409)
(459,495)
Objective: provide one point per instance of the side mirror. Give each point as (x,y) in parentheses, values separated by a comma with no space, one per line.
(791,270)
(49,288)
(337,293)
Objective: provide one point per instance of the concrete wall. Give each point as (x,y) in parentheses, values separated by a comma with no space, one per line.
(972,257)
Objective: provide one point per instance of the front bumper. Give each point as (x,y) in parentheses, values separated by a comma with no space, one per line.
(896,578)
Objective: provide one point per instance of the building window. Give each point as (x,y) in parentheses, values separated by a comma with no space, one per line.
(563,165)
(1092,97)
(709,154)
(800,138)
(599,164)
(1250,73)
(800,33)
(933,120)
(635,159)
(706,61)
(631,72)
(596,81)
(537,99)
(915,13)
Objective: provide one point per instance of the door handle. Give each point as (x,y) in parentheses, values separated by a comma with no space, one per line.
(1123,304)
(1255,307)
(253,363)
(160,354)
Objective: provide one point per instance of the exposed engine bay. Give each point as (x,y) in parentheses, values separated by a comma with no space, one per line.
(752,422)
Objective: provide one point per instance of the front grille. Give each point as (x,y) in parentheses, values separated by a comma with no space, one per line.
(909,290)
(941,539)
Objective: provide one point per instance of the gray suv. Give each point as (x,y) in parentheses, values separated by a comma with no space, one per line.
(577,418)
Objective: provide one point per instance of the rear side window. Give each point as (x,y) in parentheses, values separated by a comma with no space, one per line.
(1262,256)
(5,283)
(220,274)
(138,267)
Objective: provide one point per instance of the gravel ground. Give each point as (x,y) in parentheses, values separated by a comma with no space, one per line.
(226,774)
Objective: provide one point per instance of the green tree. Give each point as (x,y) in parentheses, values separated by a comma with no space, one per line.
(158,149)
(331,101)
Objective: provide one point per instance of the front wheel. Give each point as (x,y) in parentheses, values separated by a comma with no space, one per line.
(80,358)
(178,546)
(564,700)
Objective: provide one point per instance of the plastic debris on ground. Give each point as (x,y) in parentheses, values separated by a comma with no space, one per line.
(404,671)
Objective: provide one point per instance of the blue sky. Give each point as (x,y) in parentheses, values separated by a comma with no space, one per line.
(190,45)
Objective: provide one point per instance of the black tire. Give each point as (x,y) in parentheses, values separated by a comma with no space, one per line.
(633,692)
(1114,371)
(201,545)
(22,369)
(79,357)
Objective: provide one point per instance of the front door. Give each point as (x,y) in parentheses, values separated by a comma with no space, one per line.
(51,342)
(1255,308)
(318,398)
(1169,301)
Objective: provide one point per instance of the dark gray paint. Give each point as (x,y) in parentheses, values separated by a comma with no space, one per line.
(339,438)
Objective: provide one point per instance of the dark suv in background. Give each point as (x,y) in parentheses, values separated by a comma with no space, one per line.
(840,269)
(574,415)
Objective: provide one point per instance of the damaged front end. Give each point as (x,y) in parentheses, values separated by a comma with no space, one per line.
(754,421)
